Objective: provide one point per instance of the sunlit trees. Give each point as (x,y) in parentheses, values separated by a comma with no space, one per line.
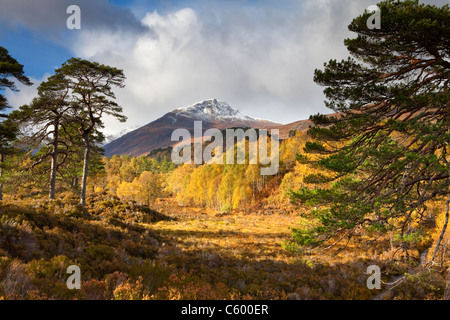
(178,181)
(130,170)
(227,187)
(144,189)
(151,187)
(219,187)
(112,168)
(126,191)
(289,150)
(253,178)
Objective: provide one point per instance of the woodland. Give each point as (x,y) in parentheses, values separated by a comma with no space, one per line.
(366,186)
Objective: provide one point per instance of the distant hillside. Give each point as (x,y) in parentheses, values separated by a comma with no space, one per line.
(157,134)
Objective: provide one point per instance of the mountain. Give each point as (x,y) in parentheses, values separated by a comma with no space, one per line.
(111,137)
(157,134)
(211,110)
(285,130)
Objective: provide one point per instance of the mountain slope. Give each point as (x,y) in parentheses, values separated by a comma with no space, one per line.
(157,134)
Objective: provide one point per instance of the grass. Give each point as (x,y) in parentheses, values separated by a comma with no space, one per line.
(127,251)
(246,254)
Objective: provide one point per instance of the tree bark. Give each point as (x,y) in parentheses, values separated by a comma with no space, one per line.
(447,286)
(54,163)
(2,160)
(87,151)
(444,228)
(74,182)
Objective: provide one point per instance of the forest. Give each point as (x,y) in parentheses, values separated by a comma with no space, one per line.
(366,186)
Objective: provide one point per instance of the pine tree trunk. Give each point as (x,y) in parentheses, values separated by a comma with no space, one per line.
(447,286)
(53,177)
(2,160)
(54,164)
(87,150)
(444,228)
(74,182)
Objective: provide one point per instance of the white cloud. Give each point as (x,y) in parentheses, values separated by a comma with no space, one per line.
(25,94)
(259,58)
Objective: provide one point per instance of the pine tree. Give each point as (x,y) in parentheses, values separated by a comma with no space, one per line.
(46,117)
(9,68)
(388,145)
(92,98)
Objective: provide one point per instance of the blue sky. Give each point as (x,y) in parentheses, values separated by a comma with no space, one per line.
(40,49)
(37,53)
(257,55)
(41,53)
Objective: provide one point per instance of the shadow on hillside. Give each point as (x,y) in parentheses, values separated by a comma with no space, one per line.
(223,234)
(39,231)
(49,237)
(263,270)
(269,278)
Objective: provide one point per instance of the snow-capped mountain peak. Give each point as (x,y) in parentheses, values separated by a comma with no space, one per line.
(113,136)
(158,134)
(211,110)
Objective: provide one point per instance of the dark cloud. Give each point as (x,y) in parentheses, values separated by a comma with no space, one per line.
(50,16)
(259,56)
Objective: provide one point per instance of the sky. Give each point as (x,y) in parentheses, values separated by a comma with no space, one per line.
(257,55)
